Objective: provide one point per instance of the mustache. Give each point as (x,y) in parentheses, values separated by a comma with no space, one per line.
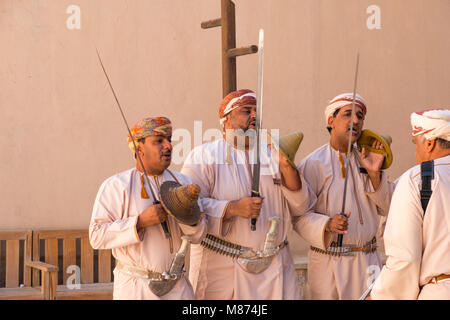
(354,128)
(251,122)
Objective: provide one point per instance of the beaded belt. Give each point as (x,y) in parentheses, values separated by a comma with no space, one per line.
(348,249)
(233,250)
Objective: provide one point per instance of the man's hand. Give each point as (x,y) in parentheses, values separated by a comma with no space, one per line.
(154,214)
(290,176)
(373,163)
(247,207)
(338,224)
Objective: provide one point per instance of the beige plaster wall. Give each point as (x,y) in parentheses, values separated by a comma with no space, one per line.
(62,134)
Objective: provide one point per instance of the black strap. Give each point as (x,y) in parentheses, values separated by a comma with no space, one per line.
(427,174)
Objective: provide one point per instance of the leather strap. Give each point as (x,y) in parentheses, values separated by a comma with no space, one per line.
(144,273)
(349,249)
(439,278)
(427,174)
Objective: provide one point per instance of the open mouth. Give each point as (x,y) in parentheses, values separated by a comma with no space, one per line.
(355,131)
(166,156)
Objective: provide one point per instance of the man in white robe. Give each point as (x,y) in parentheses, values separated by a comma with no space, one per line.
(343,276)
(223,171)
(418,243)
(125,219)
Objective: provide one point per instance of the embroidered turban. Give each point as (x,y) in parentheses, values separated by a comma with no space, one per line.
(343,100)
(236,99)
(149,127)
(432,123)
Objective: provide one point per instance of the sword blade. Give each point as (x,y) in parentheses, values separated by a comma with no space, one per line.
(155,200)
(366,293)
(259,104)
(347,158)
(260,88)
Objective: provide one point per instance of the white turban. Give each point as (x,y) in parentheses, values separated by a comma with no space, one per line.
(343,100)
(432,123)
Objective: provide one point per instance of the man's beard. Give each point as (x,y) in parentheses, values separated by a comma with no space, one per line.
(240,139)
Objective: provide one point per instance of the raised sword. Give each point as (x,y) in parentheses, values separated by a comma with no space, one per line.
(155,200)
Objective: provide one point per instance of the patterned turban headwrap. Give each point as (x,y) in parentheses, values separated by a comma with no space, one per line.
(236,99)
(149,127)
(432,123)
(343,100)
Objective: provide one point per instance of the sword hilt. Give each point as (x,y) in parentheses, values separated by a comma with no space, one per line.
(253,195)
(339,240)
(340,236)
(163,224)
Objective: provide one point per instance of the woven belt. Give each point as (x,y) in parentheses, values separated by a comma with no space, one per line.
(348,249)
(146,274)
(233,250)
(439,278)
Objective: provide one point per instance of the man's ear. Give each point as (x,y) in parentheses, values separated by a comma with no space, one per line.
(139,148)
(430,145)
(226,122)
(330,122)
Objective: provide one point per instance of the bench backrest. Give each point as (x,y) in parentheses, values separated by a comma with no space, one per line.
(71,251)
(15,249)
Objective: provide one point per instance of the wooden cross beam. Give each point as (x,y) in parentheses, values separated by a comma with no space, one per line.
(229,50)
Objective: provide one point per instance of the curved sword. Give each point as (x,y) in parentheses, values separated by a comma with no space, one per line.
(155,200)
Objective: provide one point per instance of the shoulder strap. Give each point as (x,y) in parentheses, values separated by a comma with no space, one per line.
(174,177)
(427,174)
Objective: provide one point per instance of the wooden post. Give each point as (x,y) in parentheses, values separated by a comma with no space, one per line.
(228,42)
(229,51)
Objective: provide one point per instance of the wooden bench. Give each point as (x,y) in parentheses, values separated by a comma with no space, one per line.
(85,273)
(53,264)
(16,267)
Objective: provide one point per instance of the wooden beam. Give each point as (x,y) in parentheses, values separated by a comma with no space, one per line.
(27,257)
(51,252)
(229,82)
(211,23)
(13,235)
(12,263)
(242,51)
(104,265)
(87,261)
(39,265)
(69,256)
